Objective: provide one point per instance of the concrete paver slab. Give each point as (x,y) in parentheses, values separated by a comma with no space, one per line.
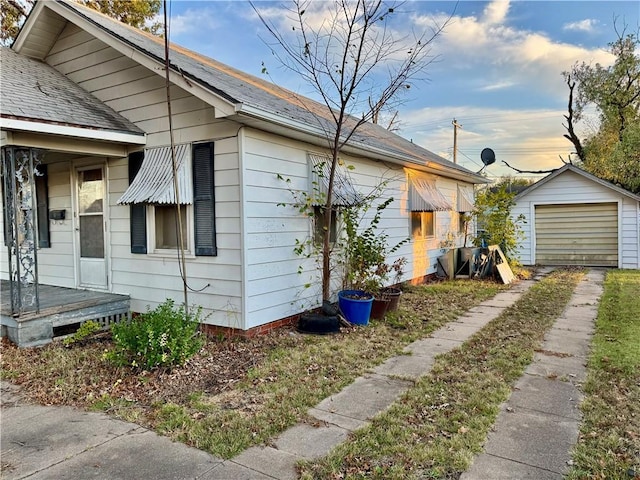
(405,366)
(233,471)
(573,325)
(533,438)
(143,454)
(545,395)
(456,331)
(52,436)
(342,421)
(571,333)
(571,368)
(306,441)
(365,397)
(563,343)
(268,460)
(490,467)
(431,347)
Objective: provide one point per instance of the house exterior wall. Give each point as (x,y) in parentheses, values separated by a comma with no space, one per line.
(139,95)
(573,188)
(274,288)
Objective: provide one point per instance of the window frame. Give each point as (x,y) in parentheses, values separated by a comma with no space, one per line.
(189,247)
(424,233)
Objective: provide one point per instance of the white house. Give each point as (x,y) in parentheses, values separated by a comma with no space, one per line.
(575,218)
(85,95)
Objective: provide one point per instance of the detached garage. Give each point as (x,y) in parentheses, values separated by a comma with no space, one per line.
(575,218)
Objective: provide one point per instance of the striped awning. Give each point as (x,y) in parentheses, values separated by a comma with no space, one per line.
(154,182)
(344,193)
(465,199)
(424,196)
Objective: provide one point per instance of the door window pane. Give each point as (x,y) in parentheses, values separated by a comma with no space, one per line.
(91,236)
(90,190)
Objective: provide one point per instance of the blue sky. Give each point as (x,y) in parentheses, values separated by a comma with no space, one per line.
(498,68)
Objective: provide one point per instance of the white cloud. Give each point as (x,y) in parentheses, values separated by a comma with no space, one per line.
(496,86)
(496,12)
(491,47)
(586,25)
(193,21)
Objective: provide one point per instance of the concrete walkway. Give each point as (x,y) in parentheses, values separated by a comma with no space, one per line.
(538,425)
(57,442)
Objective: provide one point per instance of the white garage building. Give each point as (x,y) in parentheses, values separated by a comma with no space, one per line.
(575,218)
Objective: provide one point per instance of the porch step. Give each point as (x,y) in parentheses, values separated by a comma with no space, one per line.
(63,307)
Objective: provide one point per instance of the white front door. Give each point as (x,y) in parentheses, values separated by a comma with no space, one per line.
(90,227)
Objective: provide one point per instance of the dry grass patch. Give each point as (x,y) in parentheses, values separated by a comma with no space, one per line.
(437,427)
(235,394)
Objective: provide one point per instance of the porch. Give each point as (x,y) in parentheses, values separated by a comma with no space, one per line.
(62,311)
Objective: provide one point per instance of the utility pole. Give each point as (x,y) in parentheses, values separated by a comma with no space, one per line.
(456,126)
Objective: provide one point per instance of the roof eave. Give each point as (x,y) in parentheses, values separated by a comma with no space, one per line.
(358,148)
(581,172)
(102,135)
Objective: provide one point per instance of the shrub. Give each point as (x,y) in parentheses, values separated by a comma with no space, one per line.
(162,337)
(86,330)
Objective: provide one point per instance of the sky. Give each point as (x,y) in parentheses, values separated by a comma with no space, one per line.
(497,67)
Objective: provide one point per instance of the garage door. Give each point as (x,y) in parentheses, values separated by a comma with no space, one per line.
(577,234)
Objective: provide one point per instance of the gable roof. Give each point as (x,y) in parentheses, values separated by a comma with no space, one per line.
(579,171)
(242,96)
(37,98)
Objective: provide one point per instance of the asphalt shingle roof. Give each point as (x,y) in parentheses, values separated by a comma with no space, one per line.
(35,91)
(241,88)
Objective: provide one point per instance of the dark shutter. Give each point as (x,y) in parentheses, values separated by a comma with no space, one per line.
(42,204)
(137,211)
(204,200)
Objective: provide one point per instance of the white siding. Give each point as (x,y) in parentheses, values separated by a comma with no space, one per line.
(139,95)
(274,289)
(572,188)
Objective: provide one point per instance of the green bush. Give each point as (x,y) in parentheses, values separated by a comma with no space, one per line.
(162,337)
(86,330)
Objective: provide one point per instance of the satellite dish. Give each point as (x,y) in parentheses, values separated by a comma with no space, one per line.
(487,156)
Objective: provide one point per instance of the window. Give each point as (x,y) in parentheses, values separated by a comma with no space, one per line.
(422,224)
(166,227)
(319,216)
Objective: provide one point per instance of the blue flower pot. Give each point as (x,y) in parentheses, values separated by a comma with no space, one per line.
(355,305)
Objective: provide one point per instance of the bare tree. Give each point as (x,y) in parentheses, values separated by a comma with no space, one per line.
(356,64)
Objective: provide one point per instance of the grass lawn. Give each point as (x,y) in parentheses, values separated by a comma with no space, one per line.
(235,394)
(437,427)
(609,442)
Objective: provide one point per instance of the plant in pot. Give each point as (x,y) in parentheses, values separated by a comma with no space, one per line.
(366,251)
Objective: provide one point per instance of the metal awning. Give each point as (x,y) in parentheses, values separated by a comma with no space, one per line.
(154,182)
(424,196)
(344,193)
(466,202)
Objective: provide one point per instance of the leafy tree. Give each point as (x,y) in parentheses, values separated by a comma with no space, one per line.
(495,224)
(611,152)
(136,13)
(357,66)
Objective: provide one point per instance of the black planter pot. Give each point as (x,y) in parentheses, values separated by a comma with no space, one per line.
(318,324)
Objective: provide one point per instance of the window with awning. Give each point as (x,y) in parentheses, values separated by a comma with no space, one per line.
(153,183)
(424,196)
(344,193)
(152,199)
